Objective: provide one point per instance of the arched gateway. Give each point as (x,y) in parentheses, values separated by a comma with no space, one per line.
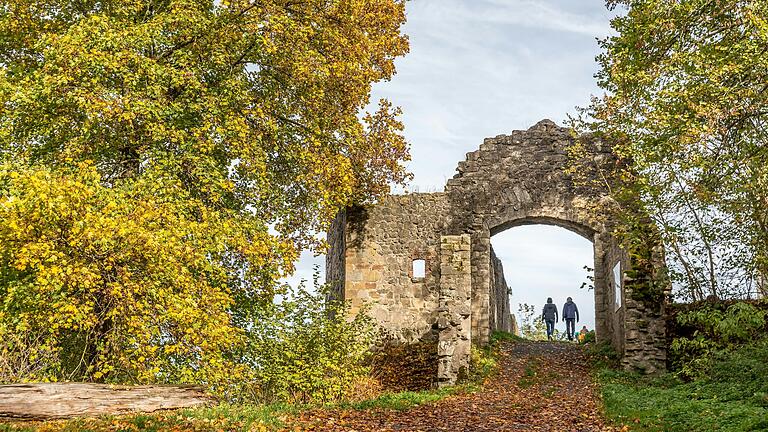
(512,180)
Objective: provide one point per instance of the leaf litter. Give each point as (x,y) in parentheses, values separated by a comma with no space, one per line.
(539,386)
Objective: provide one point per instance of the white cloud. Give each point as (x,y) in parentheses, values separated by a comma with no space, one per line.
(305,270)
(545,15)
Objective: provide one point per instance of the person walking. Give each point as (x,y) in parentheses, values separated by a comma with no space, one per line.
(550,317)
(570,314)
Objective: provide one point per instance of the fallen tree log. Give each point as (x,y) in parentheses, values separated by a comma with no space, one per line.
(47,401)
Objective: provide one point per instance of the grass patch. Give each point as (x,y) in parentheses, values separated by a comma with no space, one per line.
(220,417)
(733,396)
(603,356)
(498,336)
(530,374)
(407,399)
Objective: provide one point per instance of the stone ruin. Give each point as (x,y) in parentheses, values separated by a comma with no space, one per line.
(461,297)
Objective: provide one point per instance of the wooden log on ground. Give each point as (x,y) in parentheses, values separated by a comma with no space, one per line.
(47,401)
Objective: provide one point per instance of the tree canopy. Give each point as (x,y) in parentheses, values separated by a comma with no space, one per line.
(164,162)
(686,103)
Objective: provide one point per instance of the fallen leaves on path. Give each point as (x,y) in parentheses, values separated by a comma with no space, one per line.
(540,386)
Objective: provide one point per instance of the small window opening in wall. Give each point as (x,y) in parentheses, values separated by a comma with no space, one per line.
(419,269)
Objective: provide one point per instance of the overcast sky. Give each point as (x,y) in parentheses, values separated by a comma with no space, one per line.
(480,68)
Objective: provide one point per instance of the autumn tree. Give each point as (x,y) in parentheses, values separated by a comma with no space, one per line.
(164,162)
(685,102)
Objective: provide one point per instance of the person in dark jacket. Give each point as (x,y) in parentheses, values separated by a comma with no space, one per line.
(549,315)
(570,313)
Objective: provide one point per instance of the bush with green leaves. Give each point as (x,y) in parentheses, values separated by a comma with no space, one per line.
(531,325)
(732,397)
(603,355)
(589,337)
(306,348)
(715,331)
(483,363)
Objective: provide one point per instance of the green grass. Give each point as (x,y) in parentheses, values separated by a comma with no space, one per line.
(732,397)
(498,336)
(408,399)
(603,356)
(220,417)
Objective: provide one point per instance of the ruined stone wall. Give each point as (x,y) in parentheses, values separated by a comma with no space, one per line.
(645,330)
(612,302)
(635,328)
(500,318)
(381,243)
(523,178)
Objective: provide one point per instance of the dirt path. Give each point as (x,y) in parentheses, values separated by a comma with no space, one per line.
(540,386)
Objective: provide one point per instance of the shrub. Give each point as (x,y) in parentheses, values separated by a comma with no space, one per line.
(482,363)
(715,331)
(24,356)
(531,325)
(307,349)
(603,355)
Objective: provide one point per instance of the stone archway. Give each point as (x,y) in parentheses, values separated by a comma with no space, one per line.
(607,316)
(516,179)
(522,178)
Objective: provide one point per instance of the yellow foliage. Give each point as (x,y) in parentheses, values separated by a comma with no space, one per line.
(132,288)
(244,104)
(163,164)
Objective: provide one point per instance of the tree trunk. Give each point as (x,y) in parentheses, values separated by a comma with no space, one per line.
(63,400)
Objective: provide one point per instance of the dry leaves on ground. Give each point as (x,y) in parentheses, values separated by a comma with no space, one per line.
(539,387)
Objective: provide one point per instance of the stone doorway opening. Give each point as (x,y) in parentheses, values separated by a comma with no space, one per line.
(537,261)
